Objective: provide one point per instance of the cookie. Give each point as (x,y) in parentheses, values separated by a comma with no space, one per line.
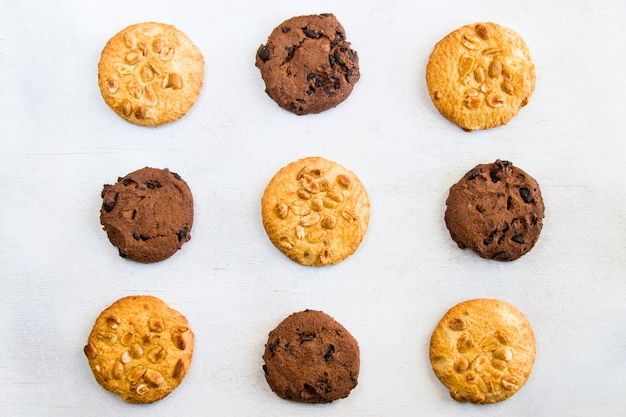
(307,64)
(480,75)
(311,358)
(496,210)
(140,349)
(150,73)
(315,211)
(483,350)
(147,214)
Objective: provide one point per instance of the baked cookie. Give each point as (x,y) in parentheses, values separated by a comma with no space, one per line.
(483,350)
(307,64)
(480,75)
(150,73)
(148,214)
(311,358)
(496,210)
(140,349)
(315,211)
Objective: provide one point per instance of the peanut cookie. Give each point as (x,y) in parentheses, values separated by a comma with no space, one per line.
(480,75)
(140,349)
(150,73)
(483,350)
(496,210)
(148,214)
(311,358)
(307,64)
(315,211)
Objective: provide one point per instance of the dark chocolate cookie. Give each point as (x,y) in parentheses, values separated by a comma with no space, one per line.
(148,214)
(311,358)
(496,210)
(307,64)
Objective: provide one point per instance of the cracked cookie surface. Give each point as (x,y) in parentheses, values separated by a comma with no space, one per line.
(311,358)
(150,73)
(140,349)
(483,350)
(307,64)
(148,214)
(315,211)
(479,76)
(496,210)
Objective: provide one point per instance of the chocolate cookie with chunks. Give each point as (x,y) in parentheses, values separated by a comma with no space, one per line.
(140,349)
(496,210)
(311,358)
(307,64)
(483,351)
(148,214)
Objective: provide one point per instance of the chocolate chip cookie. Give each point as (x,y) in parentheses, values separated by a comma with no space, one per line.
(150,73)
(480,75)
(483,350)
(496,210)
(147,214)
(315,211)
(311,358)
(307,64)
(140,349)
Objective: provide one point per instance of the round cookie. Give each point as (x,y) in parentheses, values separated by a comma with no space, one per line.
(150,73)
(483,350)
(315,211)
(311,358)
(307,64)
(496,210)
(140,349)
(480,75)
(147,214)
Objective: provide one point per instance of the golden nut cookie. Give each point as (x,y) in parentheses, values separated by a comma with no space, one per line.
(150,73)
(140,349)
(480,75)
(483,350)
(315,211)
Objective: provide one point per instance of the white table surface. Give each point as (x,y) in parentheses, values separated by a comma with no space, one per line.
(60,143)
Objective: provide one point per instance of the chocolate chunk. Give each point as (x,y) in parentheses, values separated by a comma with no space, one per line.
(502,256)
(290,50)
(263,53)
(494,176)
(272,346)
(310,33)
(329,353)
(108,206)
(518,239)
(526,195)
(473,173)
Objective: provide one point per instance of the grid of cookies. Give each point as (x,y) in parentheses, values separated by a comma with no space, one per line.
(316,211)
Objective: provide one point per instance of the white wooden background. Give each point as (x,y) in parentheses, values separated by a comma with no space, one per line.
(60,144)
